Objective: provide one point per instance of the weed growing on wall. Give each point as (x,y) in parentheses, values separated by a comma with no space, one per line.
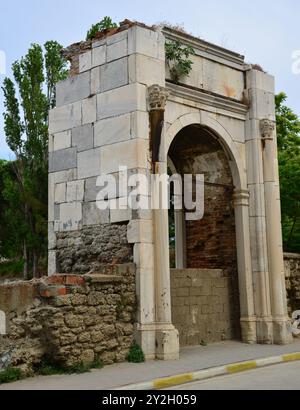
(177,56)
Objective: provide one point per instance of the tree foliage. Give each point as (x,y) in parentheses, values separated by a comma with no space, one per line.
(288,135)
(27,99)
(105,24)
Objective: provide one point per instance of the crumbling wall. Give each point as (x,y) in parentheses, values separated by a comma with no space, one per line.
(203,306)
(292,279)
(71,319)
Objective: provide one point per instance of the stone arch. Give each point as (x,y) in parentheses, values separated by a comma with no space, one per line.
(241,203)
(206,119)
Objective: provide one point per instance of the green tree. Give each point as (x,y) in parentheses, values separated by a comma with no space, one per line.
(288,135)
(27,102)
(12,224)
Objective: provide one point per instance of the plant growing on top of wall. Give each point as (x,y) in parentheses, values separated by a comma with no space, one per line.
(105,24)
(177,56)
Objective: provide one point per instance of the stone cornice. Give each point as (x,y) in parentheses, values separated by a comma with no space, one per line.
(207,50)
(211,100)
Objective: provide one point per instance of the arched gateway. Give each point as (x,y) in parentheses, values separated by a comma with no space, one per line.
(120,108)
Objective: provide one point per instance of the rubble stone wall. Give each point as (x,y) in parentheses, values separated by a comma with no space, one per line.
(292,279)
(70,319)
(88,249)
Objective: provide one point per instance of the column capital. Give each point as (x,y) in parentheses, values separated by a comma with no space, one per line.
(267,128)
(157,98)
(241,197)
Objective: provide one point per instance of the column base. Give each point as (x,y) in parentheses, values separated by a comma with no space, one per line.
(264,330)
(167,344)
(248,330)
(145,338)
(158,341)
(281,332)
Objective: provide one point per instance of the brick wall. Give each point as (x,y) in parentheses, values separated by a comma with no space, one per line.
(211,241)
(204,306)
(70,318)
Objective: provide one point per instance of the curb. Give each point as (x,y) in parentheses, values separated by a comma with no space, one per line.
(179,379)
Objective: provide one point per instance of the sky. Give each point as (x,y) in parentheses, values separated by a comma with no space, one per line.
(267,32)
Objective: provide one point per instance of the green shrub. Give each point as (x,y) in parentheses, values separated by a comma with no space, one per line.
(105,24)
(136,355)
(10,374)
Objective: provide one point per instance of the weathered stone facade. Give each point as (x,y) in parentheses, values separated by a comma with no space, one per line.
(292,278)
(205,306)
(70,319)
(120,107)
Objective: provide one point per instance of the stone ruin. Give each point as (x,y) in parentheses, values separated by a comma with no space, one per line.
(110,281)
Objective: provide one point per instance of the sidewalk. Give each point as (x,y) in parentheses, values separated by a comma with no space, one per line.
(192,359)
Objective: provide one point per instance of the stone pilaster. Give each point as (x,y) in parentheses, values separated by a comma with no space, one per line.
(281,335)
(259,90)
(248,318)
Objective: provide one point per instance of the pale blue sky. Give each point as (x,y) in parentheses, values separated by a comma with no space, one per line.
(265,31)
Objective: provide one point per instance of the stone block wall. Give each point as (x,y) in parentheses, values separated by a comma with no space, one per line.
(70,319)
(205,306)
(292,279)
(100,123)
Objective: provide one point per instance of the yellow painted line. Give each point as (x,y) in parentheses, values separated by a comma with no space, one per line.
(173,381)
(241,367)
(291,357)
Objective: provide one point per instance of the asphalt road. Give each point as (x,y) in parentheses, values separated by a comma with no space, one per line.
(278,377)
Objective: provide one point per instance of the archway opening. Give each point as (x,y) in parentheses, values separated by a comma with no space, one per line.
(204,282)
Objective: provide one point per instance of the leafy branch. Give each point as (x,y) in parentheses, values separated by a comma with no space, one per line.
(177,56)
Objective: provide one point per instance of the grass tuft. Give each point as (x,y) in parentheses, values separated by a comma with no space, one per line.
(47,368)
(10,374)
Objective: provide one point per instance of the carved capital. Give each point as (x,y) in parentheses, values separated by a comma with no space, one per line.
(267,128)
(157,97)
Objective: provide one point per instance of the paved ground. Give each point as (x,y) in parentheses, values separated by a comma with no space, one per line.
(279,377)
(192,359)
